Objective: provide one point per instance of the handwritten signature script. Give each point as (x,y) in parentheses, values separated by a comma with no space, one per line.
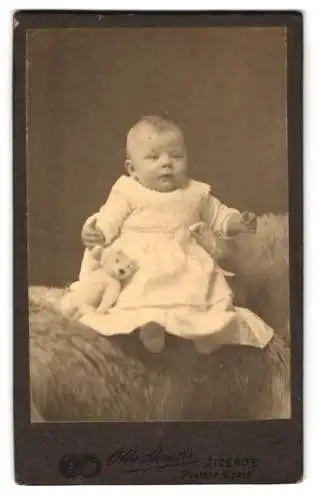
(133,460)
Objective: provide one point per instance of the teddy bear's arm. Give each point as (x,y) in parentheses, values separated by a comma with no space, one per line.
(110,295)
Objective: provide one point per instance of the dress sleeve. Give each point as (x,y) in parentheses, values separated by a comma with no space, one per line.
(112,214)
(217,215)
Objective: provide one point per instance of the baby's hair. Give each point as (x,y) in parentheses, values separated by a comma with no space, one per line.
(157,123)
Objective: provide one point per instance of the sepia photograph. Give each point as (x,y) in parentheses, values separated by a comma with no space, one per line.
(158,288)
(157,201)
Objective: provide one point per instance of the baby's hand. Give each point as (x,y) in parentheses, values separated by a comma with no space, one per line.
(249,222)
(90,234)
(242,223)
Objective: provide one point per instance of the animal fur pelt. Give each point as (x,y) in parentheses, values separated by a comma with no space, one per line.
(77,374)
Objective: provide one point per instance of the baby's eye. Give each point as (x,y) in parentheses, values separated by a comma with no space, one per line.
(117,260)
(152,157)
(178,156)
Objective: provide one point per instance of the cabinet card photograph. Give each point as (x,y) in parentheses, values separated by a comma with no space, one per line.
(158,175)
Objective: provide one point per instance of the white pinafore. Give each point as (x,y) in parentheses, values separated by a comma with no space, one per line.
(178,284)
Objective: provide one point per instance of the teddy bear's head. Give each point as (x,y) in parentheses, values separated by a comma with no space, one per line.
(115,262)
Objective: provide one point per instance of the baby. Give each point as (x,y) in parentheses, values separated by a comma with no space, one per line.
(154,214)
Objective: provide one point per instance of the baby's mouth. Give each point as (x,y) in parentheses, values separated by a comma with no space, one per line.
(167,176)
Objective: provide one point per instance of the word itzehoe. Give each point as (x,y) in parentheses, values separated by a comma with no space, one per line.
(225,463)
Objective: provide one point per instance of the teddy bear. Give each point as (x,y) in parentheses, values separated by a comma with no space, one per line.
(99,290)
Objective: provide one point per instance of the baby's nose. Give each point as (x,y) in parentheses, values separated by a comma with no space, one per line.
(166,160)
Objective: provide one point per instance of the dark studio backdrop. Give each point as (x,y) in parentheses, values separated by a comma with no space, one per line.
(226,88)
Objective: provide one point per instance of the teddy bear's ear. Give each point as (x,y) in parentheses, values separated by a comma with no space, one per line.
(96,252)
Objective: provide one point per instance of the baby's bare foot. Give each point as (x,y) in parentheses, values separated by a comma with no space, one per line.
(152,336)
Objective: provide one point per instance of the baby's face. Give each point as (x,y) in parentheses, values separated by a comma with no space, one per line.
(157,159)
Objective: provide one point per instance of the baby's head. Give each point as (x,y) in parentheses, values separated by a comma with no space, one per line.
(156,154)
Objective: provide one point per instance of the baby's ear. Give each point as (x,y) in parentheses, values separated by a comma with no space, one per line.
(129,167)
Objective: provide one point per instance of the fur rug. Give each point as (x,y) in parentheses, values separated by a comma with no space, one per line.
(77,374)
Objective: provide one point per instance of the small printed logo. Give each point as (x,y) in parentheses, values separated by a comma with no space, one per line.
(85,466)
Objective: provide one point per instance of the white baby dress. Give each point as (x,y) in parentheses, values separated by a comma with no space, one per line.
(177,284)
